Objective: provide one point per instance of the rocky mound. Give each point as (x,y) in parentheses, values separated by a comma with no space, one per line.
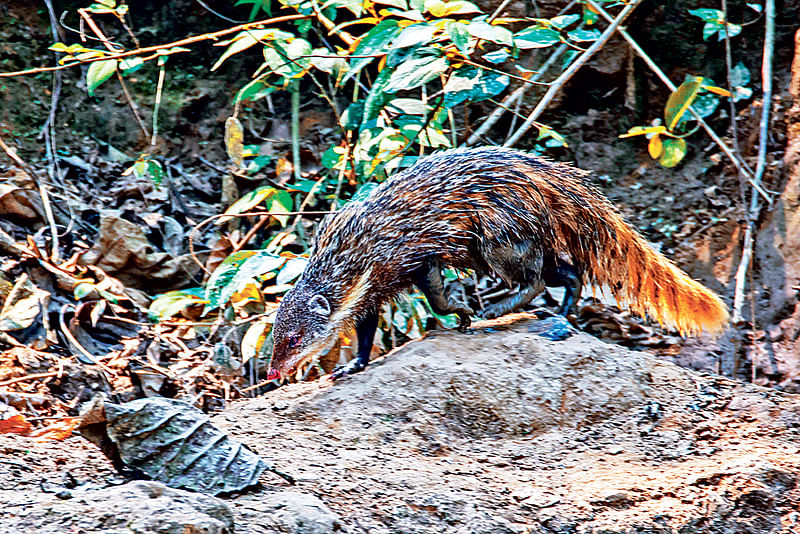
(498,431)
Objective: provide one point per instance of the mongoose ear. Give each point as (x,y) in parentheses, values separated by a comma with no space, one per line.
(320,305)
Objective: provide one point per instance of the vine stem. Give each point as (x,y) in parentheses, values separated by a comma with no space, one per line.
(755,200)
(559,82)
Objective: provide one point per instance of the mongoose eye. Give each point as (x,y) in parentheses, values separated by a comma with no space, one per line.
(294,341)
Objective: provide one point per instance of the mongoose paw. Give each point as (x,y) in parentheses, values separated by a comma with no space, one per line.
(351,367)
(464,319)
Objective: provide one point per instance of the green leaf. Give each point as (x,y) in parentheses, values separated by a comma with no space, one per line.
(709,29)
(564,20)
(416,72)
(409,106)
(331,157)
(461,86)
(374,41)
(98,72)
(248,38)
(155,171)
(498,56)
(291,270)
(354,114)
(376,97)
(220,280)
(172,303)
(589,16)
(733,31)
(251,269)
(399,4)
(255,90)
(280,202)
(705,104)
(82,289)
(741,93)
(497,34)
(458,33)
(328,64)
(740,75)
(264,5)
(414,35)
(709,15)
(674,151)
(491,84)
(440,8)
(129,65)
(536,37)
(582,36)
(247,202)
(680,100)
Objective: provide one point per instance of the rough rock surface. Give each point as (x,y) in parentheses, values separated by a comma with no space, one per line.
(500,431)
(141,507)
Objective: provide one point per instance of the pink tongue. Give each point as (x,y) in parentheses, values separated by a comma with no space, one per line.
(273,374)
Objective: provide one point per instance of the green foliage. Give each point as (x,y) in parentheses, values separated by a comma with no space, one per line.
(696,93)
(411,50)
(715,24)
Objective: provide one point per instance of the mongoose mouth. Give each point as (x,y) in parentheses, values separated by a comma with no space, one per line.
(273,374)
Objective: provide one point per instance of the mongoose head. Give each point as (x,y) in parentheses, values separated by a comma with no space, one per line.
(302,330)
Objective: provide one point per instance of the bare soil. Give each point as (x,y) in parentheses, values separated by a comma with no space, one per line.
(497,430)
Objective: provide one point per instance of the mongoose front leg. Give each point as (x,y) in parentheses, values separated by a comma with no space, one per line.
(430,282)
(365,332)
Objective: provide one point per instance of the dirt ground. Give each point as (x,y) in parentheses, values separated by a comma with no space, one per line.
(494,431)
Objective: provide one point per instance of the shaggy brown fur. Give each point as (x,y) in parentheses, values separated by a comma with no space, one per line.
(494,210)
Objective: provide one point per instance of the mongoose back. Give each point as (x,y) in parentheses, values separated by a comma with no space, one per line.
(530,221)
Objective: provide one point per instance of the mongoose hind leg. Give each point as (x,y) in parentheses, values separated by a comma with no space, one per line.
(519,262)
(569,277)
(514,302)
(365,332)
(429,281)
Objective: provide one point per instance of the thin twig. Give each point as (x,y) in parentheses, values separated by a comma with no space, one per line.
(755,200)
(559,82)
(48,208)
(25,378)
(157,105)
(734,128)
(140,51)
(515,96)
(132,104)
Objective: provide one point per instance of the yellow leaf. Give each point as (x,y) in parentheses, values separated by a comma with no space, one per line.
(254,339)
(234,138)
(717,90)
(643,130)
(655,147)
(680,100)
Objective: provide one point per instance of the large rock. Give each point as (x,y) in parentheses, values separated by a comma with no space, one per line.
(133,508)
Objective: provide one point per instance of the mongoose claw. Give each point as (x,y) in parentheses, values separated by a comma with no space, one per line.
(351,367)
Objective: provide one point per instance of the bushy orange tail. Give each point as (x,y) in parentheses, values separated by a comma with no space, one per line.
(649,284)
